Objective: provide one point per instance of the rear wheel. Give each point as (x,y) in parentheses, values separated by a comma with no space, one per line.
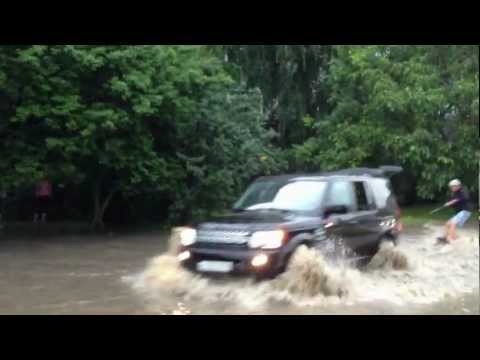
(387,240)
(366,254)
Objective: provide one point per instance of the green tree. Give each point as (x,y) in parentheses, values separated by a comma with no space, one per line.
(130,119)
(224,147)
(292,79)
(193,124)
(85,112)
(413,105)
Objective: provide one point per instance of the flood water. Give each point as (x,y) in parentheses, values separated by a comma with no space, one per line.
(134,274)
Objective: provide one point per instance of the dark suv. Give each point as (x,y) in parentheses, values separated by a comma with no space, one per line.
(345,213)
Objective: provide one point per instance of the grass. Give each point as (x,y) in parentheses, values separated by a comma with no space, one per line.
(420,214)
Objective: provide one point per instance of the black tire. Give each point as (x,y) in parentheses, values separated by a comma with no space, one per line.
(267,275)
(284,266)
(367,254)
(271,274)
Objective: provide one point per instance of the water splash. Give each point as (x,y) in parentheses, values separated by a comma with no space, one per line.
(415,273)
(310,275)
(390,257)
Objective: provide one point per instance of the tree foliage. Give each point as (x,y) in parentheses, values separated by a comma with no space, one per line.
(293,82)
(127,118)
(412,105)
(192,125)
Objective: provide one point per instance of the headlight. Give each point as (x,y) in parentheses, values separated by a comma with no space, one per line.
(188,237)
(267,239)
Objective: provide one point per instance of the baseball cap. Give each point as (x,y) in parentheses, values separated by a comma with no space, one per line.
(455,182)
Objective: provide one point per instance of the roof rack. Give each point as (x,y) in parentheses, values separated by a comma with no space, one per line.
(380,172)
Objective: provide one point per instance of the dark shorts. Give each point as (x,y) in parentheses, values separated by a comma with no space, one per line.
(42,204)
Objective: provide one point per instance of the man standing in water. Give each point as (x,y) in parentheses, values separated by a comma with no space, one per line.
(460,203)
(43,193)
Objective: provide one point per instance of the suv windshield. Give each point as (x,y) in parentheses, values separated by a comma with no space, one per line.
(280,195)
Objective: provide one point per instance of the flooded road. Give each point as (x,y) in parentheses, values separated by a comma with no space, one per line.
(133,274)
(73,275)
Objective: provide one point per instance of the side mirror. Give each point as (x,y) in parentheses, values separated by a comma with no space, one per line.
(336,209)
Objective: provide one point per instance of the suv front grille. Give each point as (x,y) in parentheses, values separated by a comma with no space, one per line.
(222,237)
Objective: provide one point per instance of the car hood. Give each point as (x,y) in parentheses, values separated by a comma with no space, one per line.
(258,220)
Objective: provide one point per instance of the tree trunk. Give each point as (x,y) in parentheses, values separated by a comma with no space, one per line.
(97,221)
(99,205)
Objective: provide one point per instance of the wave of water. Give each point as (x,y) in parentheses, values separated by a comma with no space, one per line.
(417,272)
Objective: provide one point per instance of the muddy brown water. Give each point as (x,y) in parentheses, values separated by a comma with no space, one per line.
(134,274)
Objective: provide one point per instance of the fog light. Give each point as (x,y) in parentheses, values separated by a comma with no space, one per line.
(260,260)
(184,256)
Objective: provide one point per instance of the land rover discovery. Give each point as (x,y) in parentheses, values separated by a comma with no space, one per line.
(346,213)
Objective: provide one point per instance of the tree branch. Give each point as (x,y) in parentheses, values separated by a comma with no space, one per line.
(109,197)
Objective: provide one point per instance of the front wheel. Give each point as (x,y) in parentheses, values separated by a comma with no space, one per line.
(269,274)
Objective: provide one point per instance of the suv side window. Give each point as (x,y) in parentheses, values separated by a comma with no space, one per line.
(340,194)
(363,203)
(383,194)
(372,203)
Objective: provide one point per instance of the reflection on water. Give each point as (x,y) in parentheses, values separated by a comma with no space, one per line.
(74,275)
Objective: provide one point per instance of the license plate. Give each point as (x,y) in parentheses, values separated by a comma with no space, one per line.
(215,266)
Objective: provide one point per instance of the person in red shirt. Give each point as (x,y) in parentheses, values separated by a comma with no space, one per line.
(43,194)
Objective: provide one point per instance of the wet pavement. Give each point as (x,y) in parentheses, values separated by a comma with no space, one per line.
(131,274)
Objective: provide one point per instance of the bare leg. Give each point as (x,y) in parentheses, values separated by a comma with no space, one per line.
(451,235)
(447,230)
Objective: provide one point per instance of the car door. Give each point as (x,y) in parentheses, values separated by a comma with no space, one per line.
(365,222)
(341,193)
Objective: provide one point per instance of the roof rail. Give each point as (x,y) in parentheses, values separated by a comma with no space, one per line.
(382,171)
(391,170)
